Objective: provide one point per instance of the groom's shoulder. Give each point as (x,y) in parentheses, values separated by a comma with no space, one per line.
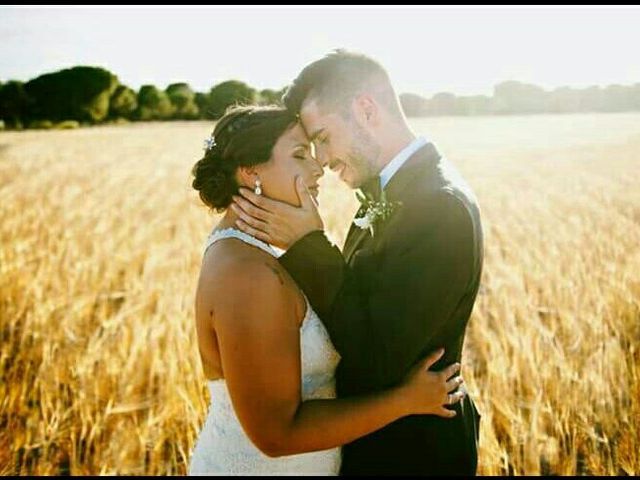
(433,206)
(446,188)
(439,188)
(451,181)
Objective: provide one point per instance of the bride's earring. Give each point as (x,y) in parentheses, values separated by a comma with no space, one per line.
(258,189)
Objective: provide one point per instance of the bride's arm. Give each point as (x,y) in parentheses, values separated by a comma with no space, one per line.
(259,339)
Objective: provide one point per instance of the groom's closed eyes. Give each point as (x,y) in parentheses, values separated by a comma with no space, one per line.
(319,135)
(317,139)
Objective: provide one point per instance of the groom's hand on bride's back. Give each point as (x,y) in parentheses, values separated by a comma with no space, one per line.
(427,392)
(275,222)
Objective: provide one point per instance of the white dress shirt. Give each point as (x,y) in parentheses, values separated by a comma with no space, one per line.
(394,165)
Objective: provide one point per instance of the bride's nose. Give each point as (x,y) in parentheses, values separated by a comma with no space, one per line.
(318,171)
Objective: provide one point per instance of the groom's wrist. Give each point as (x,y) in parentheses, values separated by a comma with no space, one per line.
(308,236)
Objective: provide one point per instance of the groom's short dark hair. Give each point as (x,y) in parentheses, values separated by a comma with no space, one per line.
(338,77)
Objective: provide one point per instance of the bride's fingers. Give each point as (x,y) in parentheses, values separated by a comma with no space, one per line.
(453,398)
(454,383)
(446,413)
(448,372)
(432,358)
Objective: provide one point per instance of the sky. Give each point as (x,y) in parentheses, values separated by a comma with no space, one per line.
(464,50)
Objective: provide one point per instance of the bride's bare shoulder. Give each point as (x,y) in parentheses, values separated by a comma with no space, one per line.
(233,258)
(237,279)
(231,266)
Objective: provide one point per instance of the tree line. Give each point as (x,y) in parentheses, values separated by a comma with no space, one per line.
(512,97)
(86,95)
(93,95)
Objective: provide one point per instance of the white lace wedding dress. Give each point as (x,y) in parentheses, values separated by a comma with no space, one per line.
(224,448)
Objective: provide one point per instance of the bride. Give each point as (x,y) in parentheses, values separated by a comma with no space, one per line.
(267,356)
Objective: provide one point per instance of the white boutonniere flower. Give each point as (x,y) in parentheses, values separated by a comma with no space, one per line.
(375,211)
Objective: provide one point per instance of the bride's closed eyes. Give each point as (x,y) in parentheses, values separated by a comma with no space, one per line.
(303,153)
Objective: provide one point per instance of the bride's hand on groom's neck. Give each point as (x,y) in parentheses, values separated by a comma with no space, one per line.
(275,222)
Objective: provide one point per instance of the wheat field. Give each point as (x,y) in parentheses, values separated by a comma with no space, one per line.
(100,245)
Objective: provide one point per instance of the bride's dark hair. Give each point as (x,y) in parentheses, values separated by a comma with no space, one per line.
(244,136)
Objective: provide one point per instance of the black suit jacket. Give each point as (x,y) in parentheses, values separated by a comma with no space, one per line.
(392,299)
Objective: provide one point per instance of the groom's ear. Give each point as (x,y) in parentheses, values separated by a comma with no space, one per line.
(366,109)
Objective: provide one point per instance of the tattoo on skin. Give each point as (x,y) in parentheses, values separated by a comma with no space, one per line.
(276,271)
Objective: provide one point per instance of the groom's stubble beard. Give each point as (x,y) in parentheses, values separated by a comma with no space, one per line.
(364,153)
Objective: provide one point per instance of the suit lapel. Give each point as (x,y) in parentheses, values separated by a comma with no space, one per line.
(354,238)
(418,162)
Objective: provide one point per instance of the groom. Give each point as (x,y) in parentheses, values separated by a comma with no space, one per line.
(406,281)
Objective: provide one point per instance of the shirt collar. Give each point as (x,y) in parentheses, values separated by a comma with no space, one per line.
(394,165)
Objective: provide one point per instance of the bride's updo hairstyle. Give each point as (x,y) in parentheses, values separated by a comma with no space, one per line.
(244,136)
